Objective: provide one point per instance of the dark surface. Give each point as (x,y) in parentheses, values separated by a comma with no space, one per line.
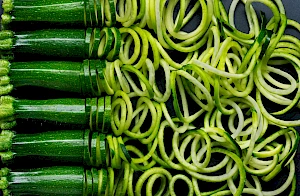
(293,12)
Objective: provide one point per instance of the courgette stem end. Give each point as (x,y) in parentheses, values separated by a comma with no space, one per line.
(6,19)
(3,183)
(6,140)
(7,5)
(6,110)
(6,44)
(5,86)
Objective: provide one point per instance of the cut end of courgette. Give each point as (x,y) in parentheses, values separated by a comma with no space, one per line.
(107,115)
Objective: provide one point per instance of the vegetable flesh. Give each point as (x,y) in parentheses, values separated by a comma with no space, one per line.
(228,63)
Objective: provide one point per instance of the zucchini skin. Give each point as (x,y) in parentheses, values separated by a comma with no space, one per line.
(57,147)
(56,75)
(36,14)
(65,146)
(57,11)
(53,44)
(73,113)
(58,180)
(48,181)
(50,44)
(63,76)
(70,111)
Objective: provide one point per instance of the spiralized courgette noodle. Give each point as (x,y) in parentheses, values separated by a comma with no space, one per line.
(224,81)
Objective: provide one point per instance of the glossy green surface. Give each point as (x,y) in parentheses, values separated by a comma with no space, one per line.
(57,75)
(88,77)
(63,145)
(50,44)
(69,111)
(66,76)
(58,11)
(47,181)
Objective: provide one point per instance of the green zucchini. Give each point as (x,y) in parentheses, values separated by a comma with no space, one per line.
(57,75)
(63,146)
(53,13)
(94,43)
(229,64)
(64,76)
(104,46)
(114,53)
(110,12)
(44,44)
(69,44)
(67,147)
(100,114)
(95,181)
(107,115)
(56,180)
(72,112)
(69,111)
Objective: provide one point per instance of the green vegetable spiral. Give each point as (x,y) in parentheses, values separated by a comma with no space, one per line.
(218,120)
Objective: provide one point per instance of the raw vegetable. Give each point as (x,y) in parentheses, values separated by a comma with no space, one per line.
(65,76)
(78,13)
(64,43)
(226,139)
(68,147)
(60,44)
(92,78)
(193,165)
(71,13)
(75,180)
(45,181)
(84,113)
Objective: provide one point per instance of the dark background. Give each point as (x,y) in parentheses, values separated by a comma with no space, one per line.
(292,8)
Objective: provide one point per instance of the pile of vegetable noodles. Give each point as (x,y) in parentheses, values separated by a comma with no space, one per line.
(209,108)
